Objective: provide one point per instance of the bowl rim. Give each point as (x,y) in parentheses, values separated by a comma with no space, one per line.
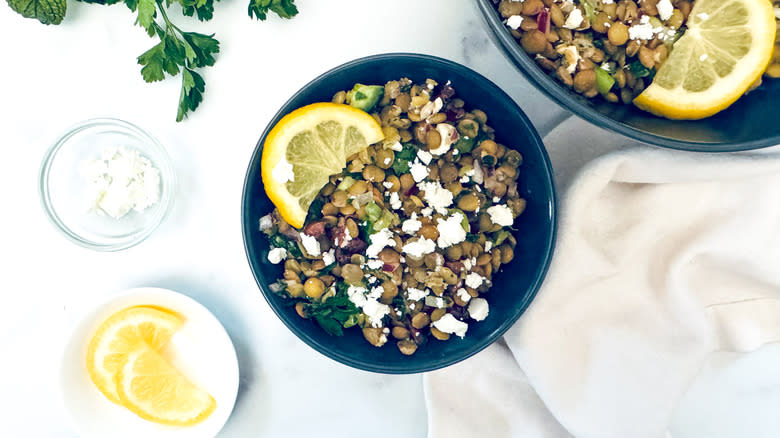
(531,291)
(164,165)
(562,97)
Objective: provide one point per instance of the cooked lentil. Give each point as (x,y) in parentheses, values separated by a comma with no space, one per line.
(608,48)
(403,234)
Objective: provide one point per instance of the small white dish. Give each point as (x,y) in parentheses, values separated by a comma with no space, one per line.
(201,349)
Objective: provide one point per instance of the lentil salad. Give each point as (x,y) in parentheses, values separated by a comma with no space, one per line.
(607,48)
(404,242)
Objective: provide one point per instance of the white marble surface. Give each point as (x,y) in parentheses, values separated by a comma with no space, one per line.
(54,76)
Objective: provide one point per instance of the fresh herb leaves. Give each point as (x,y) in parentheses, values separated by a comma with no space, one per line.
(403,158)
(279,241)
(335,313)
(45,11)
(284,8)
(178,51)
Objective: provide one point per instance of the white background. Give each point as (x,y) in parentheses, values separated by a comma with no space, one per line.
(54,76)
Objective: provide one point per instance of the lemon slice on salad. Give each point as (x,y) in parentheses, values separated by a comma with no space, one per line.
(306,147)
(725,50)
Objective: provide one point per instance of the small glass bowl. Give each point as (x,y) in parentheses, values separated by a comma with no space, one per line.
(64,190)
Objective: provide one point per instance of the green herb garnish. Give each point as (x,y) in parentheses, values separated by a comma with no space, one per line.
(335,313)
(403,158)
(178,52)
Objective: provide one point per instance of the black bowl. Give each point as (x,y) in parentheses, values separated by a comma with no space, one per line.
(513,289)
(750,123)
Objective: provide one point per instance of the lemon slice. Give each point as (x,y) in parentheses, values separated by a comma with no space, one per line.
(306,147)
(154,390)
(726,48)
(119,335)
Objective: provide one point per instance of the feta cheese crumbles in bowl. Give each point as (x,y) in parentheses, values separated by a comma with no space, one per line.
(398,267)
(106,184)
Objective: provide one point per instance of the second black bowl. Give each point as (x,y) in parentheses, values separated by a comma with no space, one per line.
(513,288)
(752,122)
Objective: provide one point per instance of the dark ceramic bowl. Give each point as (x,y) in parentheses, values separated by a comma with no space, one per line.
(751,123)
(513,288)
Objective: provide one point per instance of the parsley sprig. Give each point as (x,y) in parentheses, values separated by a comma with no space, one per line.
(178,52)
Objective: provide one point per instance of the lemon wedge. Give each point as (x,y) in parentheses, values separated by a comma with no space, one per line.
(154,390)
(121,334)
(726,49)
(306,147)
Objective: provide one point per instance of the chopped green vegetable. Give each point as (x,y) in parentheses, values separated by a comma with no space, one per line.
(384,221)
(590,9)
(500,236)
(464,145)
(260,8)
(403,158)
(365,97)
(472,237)
(45,11)
(604,81)
(373,211)
(346,183)
(640,71)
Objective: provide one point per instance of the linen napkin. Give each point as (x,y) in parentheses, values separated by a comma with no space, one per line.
(663,259)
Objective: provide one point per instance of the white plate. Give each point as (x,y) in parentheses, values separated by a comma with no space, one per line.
(201,349)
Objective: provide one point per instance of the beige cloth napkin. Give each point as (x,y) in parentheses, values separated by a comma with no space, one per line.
(663,259)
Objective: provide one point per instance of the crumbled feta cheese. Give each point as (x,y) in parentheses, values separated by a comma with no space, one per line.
(607,2)
(571,55)
(310,244)
(419,247)
(375,264)
(514,21)
(426,212)
(451,230)
(574,20)
(448,135)
(416,294)
(474,280)
(449,324)
(501,215)
(411,306)
(357,294)
(375,311)
(433,301)
(418,170)
(488,245)
(665,9)
(464,179)
(478,309)
(397,146)
(395,201)
(424,156)
(121,180)
(411,225)
(276,255)
(283,172)
(266,222)
(329,257)
(388,184)
(379,240)
(642,31)
(436,196)
(463,294)
(467,264)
